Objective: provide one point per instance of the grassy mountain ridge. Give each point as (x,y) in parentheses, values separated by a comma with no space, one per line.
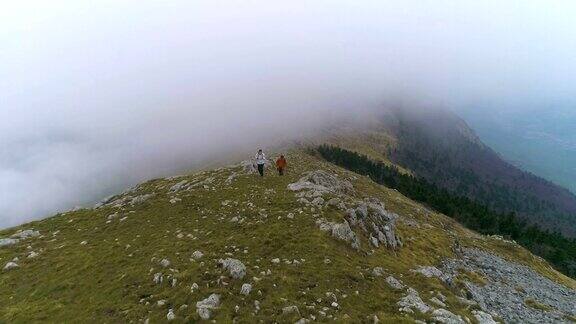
(99,265)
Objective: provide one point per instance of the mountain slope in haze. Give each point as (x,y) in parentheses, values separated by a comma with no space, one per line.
(319,244)
(542,141)
(440,147)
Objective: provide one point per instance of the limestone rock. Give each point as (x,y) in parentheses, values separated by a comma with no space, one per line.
(140,199)
(7,242)
(446,317)
(394,283)
(340,231)
(11,265)
(204,313)
(318,201)
(430,272)
(437,302)
(412,301)
(483,318)
(177,187)
(197,255)
(25,234)
(291,310)
(170,316)
(204,307)
(320,181)
(246,289)
(499,293)
(378,271)
(236,268)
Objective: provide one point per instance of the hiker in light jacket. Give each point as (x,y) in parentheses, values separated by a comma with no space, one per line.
(260,161)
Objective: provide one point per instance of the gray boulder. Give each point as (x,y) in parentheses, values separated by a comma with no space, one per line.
(25,234)
(204,307)
(394,283)
(412,301)
(7,241)
(236,268)
(11,265)
(246,289)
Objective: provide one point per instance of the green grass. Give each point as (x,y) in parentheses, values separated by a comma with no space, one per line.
(109,280)
(536,305)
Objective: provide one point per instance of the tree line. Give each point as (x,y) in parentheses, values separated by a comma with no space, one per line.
(552,246)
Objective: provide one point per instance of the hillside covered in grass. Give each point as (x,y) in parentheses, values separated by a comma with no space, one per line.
(555,248)
(320,244)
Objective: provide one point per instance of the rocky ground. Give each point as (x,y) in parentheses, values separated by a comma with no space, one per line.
(317,245)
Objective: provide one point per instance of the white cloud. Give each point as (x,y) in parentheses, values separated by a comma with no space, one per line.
(99,95)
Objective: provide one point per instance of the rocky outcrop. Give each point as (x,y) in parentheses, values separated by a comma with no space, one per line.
(483,318)
(22,235)
(376,221)
(508,286)
(340,231)
(412,302)
(447,317)
(319,182)
(126,200)
(7,242)
(323,189)
(18,236)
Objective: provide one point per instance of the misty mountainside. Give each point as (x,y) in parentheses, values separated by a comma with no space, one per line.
(542,141)
(320,244)
(440,147)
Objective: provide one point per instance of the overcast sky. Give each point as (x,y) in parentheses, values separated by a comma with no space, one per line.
(98,95)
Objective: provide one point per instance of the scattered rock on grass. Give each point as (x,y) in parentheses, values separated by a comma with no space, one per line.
(394,283)
(11,265)
(378,271)
(197,255)
(7,241)
(170,316)
(204,307)
(22,235)
(236,268)
(291,310)
(246,289)
(412,301)
(430,272)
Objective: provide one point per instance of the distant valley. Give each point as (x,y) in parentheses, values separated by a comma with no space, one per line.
(541,141)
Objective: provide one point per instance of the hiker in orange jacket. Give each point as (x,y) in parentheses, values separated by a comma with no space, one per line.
(281,164)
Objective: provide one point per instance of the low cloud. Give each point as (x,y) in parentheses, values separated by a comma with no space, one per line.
(97,96)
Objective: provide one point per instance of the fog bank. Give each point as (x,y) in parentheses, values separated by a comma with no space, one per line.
(97,96)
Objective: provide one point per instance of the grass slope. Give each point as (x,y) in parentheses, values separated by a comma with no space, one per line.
(109,278)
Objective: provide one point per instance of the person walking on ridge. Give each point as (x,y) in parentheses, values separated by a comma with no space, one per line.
(260,161)
(281,164)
